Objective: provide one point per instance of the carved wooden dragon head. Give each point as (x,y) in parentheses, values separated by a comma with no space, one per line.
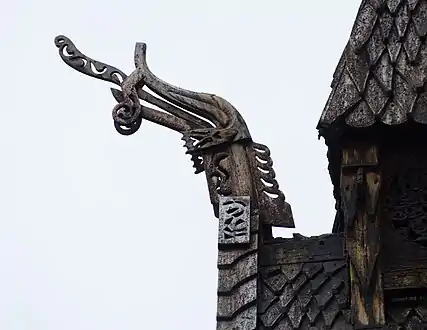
(214,132)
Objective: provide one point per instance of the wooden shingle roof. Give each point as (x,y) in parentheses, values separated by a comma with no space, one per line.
(382,74)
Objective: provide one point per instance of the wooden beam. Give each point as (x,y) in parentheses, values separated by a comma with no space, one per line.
(360,186)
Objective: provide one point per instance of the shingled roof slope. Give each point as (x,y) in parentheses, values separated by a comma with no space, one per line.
(382,74)
(304,284)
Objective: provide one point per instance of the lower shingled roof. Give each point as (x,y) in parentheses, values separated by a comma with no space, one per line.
(306,288)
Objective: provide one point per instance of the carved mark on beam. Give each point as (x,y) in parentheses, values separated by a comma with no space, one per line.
(301,249)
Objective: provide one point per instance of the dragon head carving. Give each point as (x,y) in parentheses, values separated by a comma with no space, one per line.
(214,132)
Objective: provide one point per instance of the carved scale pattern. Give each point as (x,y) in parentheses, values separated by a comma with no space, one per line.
(305,296)
(383,71)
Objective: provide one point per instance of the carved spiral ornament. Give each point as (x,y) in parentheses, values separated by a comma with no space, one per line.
(127,117)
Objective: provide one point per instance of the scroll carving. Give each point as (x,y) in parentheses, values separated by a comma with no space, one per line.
(214,133)
(273,207)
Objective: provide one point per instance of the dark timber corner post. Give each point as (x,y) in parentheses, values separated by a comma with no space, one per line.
(360,189)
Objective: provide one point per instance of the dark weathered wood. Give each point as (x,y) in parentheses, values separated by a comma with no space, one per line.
(404,208)
(381,79)
(304,284)
(301,249)
(404,263)
(305,295)
(360,185)
(400,278)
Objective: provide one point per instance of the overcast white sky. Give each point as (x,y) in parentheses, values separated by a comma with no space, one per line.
(100,231)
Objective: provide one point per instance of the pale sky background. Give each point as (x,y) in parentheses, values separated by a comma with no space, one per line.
(104,232)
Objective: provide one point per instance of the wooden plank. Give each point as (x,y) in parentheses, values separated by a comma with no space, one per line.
(405,278)
(360,156)
(302,249)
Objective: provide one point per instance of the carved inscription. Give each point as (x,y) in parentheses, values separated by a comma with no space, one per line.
(234,220)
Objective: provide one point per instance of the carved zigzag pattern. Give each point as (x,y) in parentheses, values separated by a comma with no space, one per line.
(305,296)
(382,73)
(237,288)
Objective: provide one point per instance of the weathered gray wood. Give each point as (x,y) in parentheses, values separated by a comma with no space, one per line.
(402,278)
(404,205)
(301,249)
